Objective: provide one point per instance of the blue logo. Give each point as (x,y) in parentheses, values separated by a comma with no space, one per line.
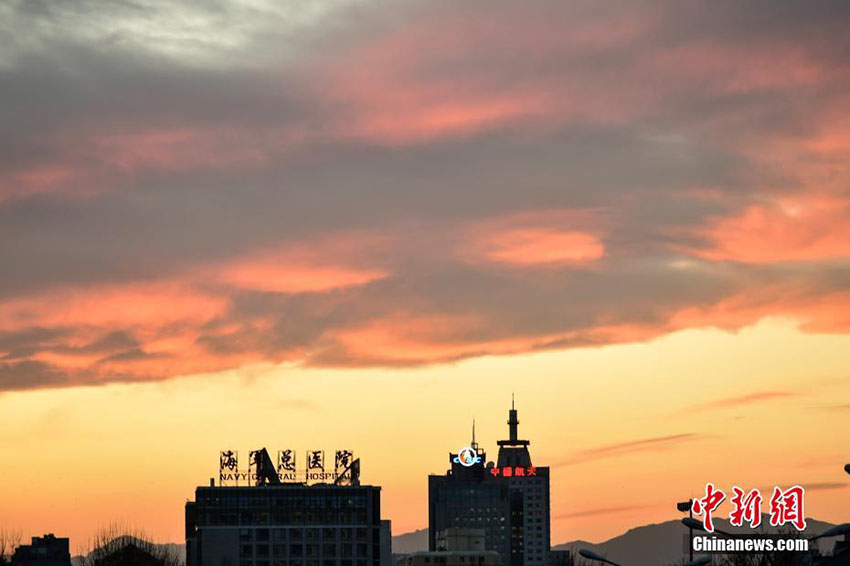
(467,457)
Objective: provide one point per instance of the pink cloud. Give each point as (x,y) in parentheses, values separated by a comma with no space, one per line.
(803,228)
(827,311)
(535,238)
(325,264)
(133,304)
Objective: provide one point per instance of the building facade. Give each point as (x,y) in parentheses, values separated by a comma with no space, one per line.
(508,499)
(287,525)
(455,547)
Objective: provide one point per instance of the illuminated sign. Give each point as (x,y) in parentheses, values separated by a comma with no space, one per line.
(467,457)
(514,471)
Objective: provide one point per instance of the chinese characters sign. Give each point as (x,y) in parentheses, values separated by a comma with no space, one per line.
(514,471)
(785,507)
(287,468)
(286,465)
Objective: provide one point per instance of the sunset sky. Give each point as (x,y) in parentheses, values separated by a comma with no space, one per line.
(355,224)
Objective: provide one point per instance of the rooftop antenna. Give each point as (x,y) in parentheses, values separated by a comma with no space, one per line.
(513,421)
(474,444)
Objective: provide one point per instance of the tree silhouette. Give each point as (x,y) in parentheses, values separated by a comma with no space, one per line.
(117,536)
(10,539)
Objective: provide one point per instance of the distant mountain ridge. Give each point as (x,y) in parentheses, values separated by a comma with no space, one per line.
(663,543)
(648,545)
(414,541)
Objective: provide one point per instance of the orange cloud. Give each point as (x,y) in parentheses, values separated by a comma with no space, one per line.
(133,304)
(740,400)
(804,228)
(814,311)
(540,246)
(419,339)
(285,271)
(182,325)
(396,88)
(630,446)
(542,238)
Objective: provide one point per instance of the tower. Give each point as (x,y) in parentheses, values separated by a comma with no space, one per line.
(529,487)
(508,501)
(513,451)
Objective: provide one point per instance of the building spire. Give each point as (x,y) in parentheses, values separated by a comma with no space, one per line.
(513,421)
(474,444)
(513,451)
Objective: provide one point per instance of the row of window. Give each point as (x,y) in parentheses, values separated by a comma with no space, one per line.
(279,562)
(286,517)
(327,550)
(328,534)
(282,501)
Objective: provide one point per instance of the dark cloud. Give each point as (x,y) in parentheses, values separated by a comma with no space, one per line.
(139,155)
(31,375)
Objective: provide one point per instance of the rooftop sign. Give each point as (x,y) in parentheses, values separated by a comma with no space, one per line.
(467,457)
(345,470)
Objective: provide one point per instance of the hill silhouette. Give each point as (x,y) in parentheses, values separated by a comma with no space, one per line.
(648,545)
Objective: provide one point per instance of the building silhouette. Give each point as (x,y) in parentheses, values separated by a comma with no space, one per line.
(508,500)
(455,547)
(287,524)
(43,551)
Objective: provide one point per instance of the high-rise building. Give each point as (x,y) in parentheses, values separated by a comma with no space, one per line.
(287,524)
(508,499)
(514,467)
